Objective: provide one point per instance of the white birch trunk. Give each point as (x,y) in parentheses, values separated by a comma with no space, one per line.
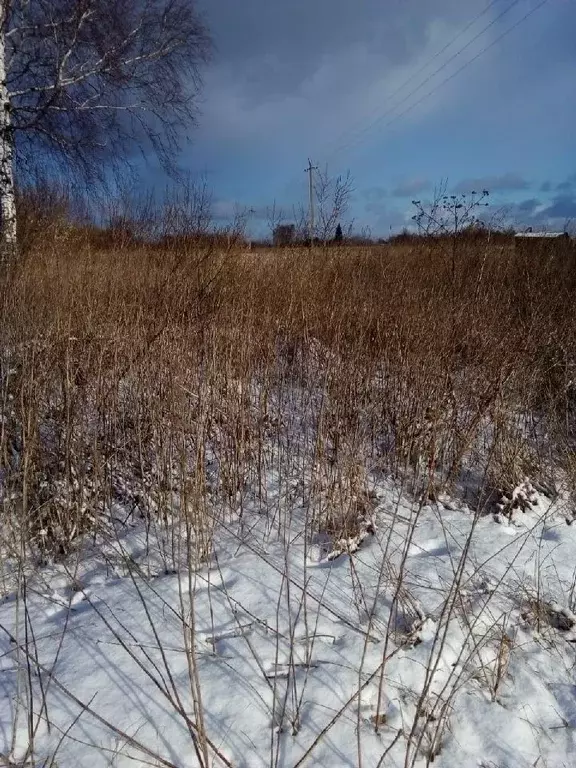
(7,191)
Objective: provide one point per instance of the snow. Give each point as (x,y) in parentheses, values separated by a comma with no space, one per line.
(438,639)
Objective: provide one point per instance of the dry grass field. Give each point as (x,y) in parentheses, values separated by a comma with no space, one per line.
(210,414)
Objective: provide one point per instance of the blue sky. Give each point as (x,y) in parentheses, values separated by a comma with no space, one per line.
(330,79)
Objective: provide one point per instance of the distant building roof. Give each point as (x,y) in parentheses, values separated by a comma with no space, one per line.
(542,234)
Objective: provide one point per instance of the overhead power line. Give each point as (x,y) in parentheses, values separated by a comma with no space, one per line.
(467,63)
(358,139)
(376,117)
(371,125)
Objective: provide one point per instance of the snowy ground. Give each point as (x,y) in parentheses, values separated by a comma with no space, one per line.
(443,639)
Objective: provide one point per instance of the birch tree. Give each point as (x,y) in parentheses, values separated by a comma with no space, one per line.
(85,84)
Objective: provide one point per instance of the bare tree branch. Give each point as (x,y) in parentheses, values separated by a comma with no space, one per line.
(86,83)
(332,201)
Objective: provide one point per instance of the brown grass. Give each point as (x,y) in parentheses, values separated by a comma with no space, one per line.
(169,377)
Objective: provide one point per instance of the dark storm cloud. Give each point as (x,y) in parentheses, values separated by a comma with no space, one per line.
(311,78)
(528,206)
(567,185)
(562,207)
(271,48)
(554,214)
(506,182)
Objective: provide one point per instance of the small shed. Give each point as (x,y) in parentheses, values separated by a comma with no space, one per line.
(530,241)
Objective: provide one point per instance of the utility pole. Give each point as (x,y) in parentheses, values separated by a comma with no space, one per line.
(310,170)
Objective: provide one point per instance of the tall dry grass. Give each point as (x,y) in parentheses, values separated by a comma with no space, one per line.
(190,387)
(155,377)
